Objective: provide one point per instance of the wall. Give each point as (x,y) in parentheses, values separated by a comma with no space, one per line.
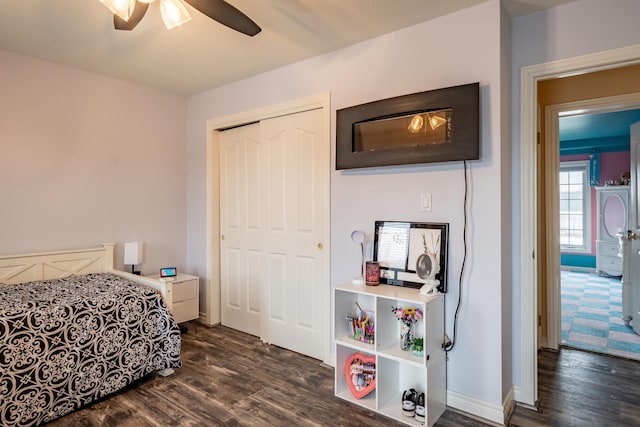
(619,81)
(384,67)
(88,159)
(577,28)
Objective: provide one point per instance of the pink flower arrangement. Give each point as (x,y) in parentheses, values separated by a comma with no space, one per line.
(408,314)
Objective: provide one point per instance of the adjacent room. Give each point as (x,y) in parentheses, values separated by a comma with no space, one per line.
(594,173)
(300,212)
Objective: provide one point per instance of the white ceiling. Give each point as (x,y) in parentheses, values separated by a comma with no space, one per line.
(203,54)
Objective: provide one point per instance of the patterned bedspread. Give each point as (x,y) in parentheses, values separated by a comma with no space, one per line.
(67,342)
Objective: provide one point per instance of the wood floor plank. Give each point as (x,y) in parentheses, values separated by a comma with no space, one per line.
(233,379)
(578,389)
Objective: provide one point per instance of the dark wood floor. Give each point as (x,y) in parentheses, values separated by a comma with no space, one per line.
(577,388)
(232,379)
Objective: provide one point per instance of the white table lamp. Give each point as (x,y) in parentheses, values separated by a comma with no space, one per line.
(133,254)
(358,237)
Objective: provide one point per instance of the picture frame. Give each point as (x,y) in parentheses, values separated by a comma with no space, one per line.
(411,253)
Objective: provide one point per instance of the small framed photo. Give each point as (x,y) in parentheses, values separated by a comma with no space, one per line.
(168,272)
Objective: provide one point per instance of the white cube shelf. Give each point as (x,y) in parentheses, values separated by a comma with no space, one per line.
(396,370)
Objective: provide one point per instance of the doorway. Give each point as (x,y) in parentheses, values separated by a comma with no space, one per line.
(533,254)
(586,312)
(550,270)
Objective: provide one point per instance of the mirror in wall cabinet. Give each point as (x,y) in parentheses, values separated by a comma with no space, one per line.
(614,215)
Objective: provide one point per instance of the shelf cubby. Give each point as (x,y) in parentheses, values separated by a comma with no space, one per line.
(341,388)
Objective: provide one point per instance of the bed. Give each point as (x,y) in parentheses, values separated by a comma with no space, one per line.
(73,330)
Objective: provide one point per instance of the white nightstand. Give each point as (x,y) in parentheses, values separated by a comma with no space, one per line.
(181,296)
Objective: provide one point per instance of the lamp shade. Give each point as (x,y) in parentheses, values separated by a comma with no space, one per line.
(173,13)
(122,8)
(133,253)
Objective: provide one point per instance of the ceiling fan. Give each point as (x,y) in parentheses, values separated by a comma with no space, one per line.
(128,13)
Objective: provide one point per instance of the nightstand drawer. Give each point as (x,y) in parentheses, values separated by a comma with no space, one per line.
(181,295)
(186,290)
(185,310)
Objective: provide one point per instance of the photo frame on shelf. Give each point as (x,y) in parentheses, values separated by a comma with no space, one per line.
(411,254)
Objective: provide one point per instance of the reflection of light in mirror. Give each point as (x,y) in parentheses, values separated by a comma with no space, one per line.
(436,121)
(416,124)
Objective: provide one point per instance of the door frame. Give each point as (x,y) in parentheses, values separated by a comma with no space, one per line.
(552,169)
(527,391)
(214,127)
(634,269)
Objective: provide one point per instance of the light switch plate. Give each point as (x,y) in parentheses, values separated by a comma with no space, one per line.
(425,202)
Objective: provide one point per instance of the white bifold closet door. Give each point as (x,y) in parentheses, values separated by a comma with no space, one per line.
(274,177)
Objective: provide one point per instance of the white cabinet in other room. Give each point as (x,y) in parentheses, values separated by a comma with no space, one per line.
(613,218)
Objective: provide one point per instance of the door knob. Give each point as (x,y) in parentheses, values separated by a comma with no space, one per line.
(320,246)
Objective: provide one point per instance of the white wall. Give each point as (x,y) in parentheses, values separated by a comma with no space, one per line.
(460,48)
(578,28)
(87,159)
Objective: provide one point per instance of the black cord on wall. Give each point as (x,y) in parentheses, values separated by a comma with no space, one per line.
(448,346)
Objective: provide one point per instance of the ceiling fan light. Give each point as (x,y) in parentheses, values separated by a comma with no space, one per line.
(173,13)
(122,8)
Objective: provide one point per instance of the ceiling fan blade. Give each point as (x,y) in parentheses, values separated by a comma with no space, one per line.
(138,12)
(224,13)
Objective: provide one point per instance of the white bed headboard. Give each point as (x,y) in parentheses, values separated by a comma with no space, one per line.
(54,265)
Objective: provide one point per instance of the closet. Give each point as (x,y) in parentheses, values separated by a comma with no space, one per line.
(274,227)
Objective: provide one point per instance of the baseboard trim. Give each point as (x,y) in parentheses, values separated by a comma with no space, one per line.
(508,406)
(578,269)
(496,414)
(204,320)
(331,361)
(516,393)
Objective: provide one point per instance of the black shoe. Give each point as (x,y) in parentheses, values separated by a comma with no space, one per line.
(420,410)
(409,398)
